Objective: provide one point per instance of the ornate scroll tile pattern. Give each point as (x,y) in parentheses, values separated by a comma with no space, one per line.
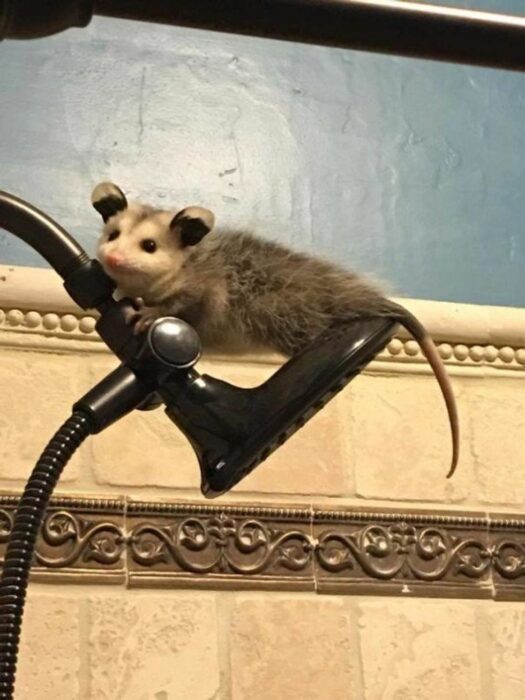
(80,539)
(403,553)
(508,556)
(186,545)
(221,547)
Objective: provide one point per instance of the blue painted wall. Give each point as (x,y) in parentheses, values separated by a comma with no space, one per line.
(411,170)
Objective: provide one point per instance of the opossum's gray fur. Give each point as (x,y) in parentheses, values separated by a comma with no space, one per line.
(269,295)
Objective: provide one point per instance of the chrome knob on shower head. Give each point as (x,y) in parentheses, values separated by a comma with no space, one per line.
(174,342)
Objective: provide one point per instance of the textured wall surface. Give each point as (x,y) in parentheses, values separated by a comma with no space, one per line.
(368,434)
(216,646)
(408,169)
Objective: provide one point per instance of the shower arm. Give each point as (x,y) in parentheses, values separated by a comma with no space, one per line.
(412,29)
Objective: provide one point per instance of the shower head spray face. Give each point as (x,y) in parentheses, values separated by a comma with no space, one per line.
(233,430)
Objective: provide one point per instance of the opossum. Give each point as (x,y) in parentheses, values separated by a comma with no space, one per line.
(239,290)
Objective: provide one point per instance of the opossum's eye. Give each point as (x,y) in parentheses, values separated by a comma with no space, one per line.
(114,235)
(148,245)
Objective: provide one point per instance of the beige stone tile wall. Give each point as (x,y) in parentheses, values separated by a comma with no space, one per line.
(385,439)
(96,644)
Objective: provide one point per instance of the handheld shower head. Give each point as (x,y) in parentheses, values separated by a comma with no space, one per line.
(232,430)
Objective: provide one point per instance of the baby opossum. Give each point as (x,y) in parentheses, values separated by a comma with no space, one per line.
(237,290)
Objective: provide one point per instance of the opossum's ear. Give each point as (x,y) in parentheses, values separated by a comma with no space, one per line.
(192,223)
(108,200)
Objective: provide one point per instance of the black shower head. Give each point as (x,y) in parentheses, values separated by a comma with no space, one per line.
(232,429)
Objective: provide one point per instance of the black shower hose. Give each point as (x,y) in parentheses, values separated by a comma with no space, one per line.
(19,555)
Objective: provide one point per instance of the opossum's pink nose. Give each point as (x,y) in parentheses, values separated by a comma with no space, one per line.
(115,260)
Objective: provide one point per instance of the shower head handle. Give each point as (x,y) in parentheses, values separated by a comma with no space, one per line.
(232,429)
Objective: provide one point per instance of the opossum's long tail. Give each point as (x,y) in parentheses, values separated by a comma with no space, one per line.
(415,328)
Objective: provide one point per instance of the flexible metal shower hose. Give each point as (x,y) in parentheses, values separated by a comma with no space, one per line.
(19,554)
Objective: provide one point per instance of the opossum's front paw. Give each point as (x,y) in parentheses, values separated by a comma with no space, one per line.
(142,317)
(144,322)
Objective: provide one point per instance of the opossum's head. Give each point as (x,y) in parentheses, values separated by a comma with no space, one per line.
(142,248)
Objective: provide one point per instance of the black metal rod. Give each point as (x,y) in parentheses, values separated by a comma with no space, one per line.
(383,26)
(43,234)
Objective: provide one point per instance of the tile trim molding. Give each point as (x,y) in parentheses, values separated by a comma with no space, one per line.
(36,313)
(354,550)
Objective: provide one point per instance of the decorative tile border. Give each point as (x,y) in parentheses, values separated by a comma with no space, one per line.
(35,329)
(508,557)
(37,313)
(351,551)
(81,540)
(184,545)
(400,553)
